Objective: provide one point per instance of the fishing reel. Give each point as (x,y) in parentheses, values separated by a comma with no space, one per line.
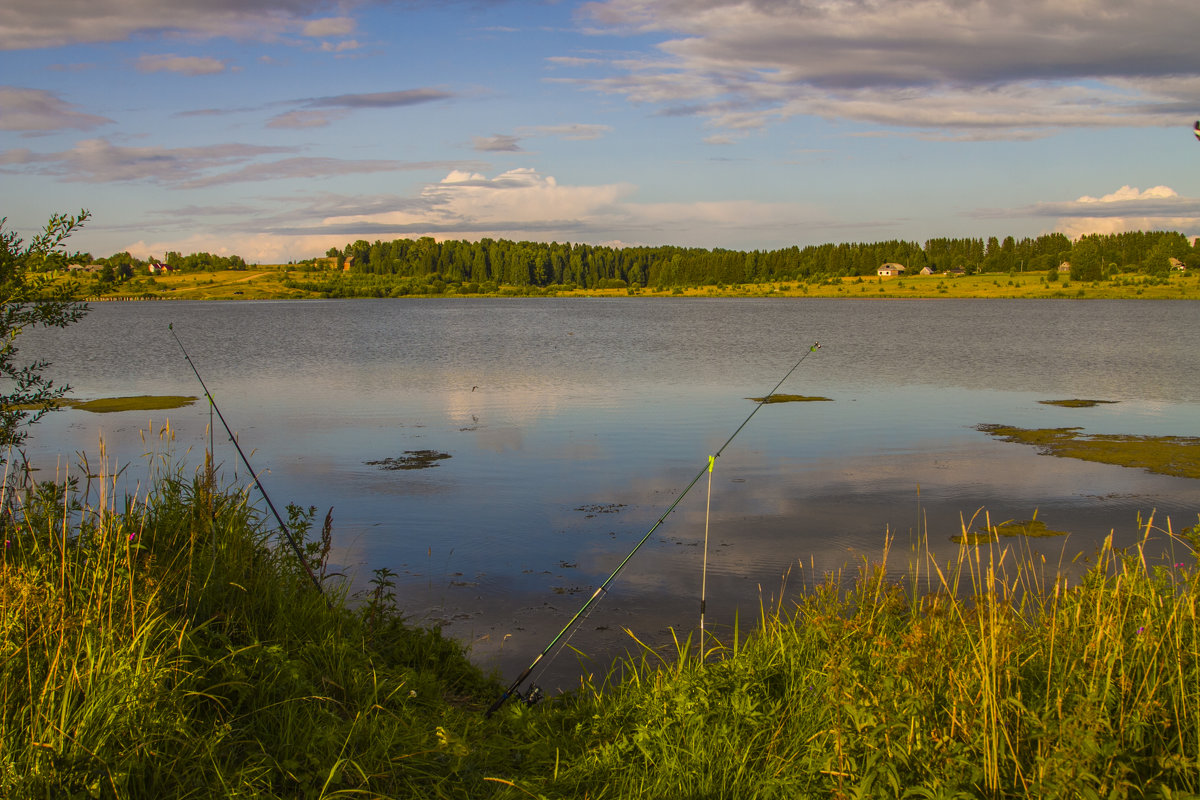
(531,697)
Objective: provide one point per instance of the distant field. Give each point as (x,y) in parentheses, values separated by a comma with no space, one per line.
(267,282)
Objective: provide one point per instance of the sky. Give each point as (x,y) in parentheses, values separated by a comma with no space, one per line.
(276,129)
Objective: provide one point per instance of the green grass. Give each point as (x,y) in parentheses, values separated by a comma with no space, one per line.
(166,645)
(282,281)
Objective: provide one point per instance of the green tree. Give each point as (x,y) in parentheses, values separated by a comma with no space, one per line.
(28,300)
(1086,263)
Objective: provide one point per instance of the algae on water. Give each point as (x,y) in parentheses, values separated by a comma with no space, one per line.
(1076,403)
(412,459)
(790,398)
(109,405)
(1165,455)
(991,533)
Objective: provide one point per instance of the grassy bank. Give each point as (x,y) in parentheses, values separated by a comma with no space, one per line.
(287,282)
(165,646)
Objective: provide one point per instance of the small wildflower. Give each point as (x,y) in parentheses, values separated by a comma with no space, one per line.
(132,535)
(1142,628)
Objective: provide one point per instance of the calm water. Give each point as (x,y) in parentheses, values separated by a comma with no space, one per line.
(573,424)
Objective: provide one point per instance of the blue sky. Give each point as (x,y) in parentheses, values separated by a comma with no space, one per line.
(276,129)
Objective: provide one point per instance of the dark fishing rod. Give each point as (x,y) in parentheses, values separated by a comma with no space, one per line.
(212,403)
(534,692)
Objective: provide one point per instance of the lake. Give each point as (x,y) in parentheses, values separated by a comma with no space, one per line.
(571,425)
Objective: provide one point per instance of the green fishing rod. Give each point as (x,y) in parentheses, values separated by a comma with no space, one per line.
(212,403)
(534,692)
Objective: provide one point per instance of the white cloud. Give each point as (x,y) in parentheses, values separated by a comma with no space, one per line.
(519,204)
(575,132)
(984,69)
(523,204)
(187,65)
(100,161)
(329,26)
(511,143)
(1126,209)
(498,143)
(340,47)
(26,24)
(304,119)
(38,110)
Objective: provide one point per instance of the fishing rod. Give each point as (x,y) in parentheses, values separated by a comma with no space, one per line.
(535,693)
(212,403)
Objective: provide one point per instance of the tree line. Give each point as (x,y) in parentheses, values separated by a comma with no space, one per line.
(538,264)
(427,266)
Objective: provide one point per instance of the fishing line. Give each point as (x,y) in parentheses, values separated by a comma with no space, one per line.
(213,407)
(603,588)
(712,461)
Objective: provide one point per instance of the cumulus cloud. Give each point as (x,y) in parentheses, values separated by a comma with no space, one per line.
(36,110)
(522,203)
(1126,209)
(187,65)
(984,69)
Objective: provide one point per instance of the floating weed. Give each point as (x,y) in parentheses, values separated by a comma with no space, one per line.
(1030,528)
(1077,403)
(791,398)
(108,405)
(412,459)
(1166,455)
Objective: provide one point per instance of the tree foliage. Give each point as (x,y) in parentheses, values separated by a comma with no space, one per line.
(31,298)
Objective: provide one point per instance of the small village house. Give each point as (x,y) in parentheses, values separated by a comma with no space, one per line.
(890,270)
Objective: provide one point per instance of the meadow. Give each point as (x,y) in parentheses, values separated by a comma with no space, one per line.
(167,645)
(282,281)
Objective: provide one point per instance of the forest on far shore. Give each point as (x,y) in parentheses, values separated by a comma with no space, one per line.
(427,266)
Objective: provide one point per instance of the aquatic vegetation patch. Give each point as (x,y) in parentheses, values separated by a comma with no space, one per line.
(1165,455)
(1077,403)
(992,533)
(597,508)
(791,398)
(412,459)
(109,405)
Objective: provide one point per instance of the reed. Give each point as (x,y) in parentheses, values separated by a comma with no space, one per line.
(993,675)
(165,645)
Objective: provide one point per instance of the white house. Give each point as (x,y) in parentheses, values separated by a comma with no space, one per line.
(890,270)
